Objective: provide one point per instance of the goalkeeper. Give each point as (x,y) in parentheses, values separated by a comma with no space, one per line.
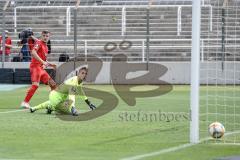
(62,99)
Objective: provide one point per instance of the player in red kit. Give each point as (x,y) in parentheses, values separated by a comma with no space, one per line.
(38,64)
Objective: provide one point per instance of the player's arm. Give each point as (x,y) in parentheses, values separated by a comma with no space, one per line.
(70,86)
(85,98)
(71,95)
(35,55)
(75,89)
(91,106)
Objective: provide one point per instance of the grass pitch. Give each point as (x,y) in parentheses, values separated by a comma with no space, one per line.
(124,132)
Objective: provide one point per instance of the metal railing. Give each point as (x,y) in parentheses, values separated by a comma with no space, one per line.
(123,18)
(124,13)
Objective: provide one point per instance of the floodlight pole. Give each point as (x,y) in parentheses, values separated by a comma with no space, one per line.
(75,32)
(223,38)
(148,33)
(195,71)
(148,39)
(75,36)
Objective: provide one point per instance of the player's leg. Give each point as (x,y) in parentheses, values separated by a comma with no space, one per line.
(43,105)
(46,79)
(54,100)
(35,78)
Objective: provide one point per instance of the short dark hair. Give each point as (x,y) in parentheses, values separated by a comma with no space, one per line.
(45,32)
(83,68)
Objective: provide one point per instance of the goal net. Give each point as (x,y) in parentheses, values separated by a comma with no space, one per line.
(220,70)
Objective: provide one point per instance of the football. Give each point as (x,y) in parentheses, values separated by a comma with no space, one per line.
(216,130)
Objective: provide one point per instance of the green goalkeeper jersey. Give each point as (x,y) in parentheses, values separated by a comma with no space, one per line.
(70,88)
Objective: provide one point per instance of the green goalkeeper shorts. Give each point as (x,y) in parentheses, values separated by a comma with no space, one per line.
(60,102)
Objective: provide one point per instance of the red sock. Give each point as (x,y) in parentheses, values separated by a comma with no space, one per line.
(30,93)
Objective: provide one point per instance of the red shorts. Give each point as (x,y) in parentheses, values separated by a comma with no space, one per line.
(38,74)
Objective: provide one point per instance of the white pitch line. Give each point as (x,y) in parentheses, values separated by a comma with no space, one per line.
(172,149)
(13,111)
(159,152)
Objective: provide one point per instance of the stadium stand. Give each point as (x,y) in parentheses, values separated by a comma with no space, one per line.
(101,22)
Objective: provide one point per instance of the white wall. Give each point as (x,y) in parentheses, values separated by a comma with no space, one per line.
(177,73)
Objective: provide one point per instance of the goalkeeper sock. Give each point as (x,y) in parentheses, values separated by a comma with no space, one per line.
(30,93)
(43,105)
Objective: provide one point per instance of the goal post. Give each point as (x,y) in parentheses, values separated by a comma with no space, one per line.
(195,71)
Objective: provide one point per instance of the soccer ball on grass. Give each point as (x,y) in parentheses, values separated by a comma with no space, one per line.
(216,130)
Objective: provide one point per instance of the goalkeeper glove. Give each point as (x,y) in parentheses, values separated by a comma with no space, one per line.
(74,111)
(91,106)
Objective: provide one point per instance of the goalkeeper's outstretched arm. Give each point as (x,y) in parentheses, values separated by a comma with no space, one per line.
(77,83)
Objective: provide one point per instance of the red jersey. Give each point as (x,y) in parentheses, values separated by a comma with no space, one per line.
(30,44)
(7,49)
(42,50)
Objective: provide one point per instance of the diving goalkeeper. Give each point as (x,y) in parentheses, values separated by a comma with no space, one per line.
(62,99)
